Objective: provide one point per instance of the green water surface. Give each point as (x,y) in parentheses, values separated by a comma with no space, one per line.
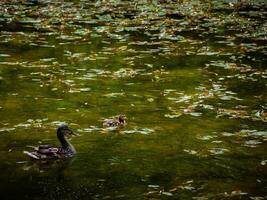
(191,78)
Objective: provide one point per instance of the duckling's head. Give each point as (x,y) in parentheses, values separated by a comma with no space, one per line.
(122,118)
(65,130)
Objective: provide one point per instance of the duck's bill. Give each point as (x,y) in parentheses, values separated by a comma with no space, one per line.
(71,132)
(74,133)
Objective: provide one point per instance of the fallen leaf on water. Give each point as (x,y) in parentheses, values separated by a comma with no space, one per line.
(144,131)
(183,99)
(6,129)
(192,152)
(167,193)
(252,143)
(173,115)
(206,137)
(218,151)
(264,162)
(90,129)
(153,186)
(195,114)
(187,187)
(114,94)
(150,99)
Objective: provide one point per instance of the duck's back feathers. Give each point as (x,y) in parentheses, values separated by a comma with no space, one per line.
(110,123)
(32,155)
(116,121)
(50,153)
(39,156)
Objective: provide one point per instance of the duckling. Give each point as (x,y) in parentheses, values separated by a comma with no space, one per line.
(116,121)
(45,152)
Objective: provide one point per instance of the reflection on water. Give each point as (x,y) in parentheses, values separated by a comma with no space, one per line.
(191,80)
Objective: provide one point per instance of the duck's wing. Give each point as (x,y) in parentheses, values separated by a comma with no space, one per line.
(50,150)
(110,123)
(43,154)
(32,155)
(38,156)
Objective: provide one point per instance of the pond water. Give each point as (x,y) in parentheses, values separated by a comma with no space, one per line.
(191,79)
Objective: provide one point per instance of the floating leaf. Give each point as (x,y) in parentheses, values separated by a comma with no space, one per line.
(6,129)
(252,143)
(183,99)
(90,129)
(195,114)
(229,98)
(192,152)
(218,151)
(4,55)
(167,194)
(187,187)
(153,186)
(143,131)
(207,137)
(173,115)
(227,134)
(114,94)
(23,125)
(150,99)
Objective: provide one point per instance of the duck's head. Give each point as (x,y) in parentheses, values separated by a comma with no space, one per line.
(65,130)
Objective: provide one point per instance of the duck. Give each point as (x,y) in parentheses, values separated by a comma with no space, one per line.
(117,121)
(47,151)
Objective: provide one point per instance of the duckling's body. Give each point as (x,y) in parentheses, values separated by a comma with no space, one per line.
(45,152)
(116,121)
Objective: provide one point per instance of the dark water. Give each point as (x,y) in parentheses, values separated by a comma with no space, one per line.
(191,79)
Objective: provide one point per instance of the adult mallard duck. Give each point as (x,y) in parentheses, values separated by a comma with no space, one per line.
(116,121)
(45,152)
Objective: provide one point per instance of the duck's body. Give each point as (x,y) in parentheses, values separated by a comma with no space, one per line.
(45,152)
(116,121)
